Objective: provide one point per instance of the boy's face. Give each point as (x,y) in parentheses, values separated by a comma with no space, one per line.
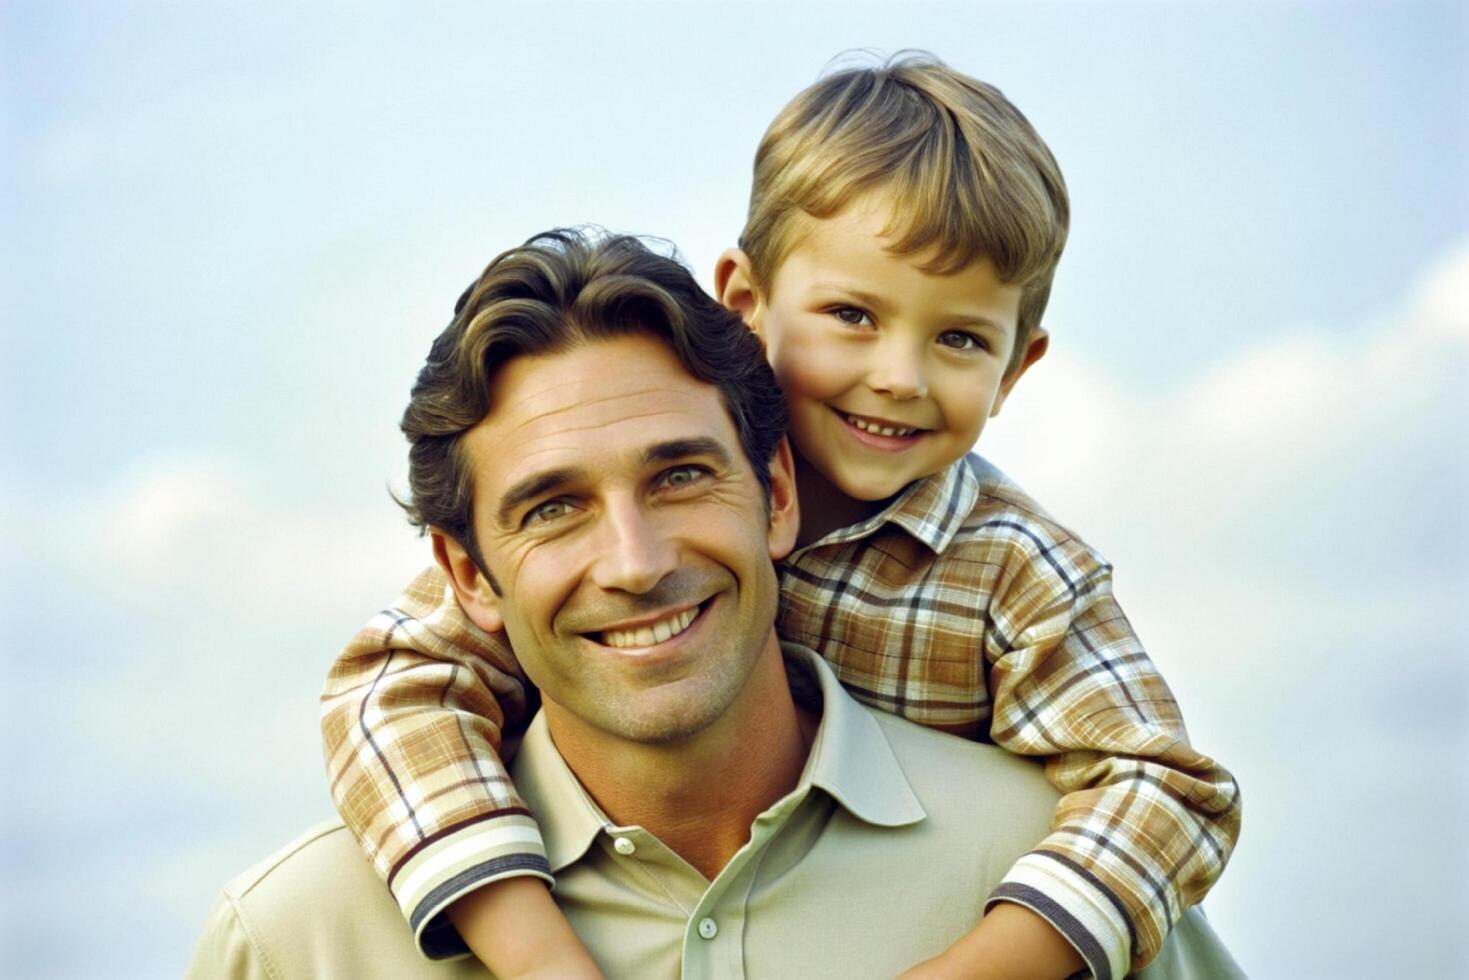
(889,371)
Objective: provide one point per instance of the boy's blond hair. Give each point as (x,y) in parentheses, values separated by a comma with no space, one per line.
(968,175)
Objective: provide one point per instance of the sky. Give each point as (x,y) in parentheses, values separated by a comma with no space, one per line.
(231,231)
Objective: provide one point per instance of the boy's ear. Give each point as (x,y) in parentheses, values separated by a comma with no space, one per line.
(785,510)
(1035,349)
(471,587)
(734,286)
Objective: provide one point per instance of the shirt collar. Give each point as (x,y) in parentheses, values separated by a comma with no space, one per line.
(568,817)
(850,756)
(850,759)
(931,509)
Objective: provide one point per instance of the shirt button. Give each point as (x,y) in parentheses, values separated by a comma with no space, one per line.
(623,845)
(707,928)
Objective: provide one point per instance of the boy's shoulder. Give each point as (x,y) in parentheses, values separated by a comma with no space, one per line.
(966,530)
(1003,524)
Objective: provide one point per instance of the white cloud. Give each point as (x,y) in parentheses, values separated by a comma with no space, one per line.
(181,597)
(1442,307)
(1291,420)
(200,533)
(189,614)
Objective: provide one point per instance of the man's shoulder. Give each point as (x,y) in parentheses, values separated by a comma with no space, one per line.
(1004,804)
(978,810)
(980,802)
(314,907)
(948,776)
(319,848)
(961,766)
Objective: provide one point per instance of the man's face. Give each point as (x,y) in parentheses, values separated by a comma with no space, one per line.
(628,536)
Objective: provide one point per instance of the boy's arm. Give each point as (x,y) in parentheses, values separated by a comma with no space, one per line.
(1146,824)
(515,928)
(413,713)
(1010,943)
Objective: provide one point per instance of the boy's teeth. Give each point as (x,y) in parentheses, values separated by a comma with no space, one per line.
(878,430)
(647,636)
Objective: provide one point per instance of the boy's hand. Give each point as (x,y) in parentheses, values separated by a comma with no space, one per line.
(1010,943)
(516,930)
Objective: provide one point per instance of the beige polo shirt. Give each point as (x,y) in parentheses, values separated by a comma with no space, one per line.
(881,857)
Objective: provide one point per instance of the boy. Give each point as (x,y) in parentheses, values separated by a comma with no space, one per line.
(904,227)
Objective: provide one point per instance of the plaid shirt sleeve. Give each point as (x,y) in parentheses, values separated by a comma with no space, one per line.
(1146,823)
(415,712)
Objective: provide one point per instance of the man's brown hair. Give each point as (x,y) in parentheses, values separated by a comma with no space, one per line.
(559,290)
(967,174)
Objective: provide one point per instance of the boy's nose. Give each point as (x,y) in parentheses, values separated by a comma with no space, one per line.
(897,373)
(633,553)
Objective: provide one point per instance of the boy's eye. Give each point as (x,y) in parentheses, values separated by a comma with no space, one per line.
(551,510)
(852,316)
(960,340)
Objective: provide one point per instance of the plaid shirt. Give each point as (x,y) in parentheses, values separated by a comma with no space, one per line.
(961,606)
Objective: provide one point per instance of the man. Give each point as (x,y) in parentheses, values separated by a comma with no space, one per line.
(599,452)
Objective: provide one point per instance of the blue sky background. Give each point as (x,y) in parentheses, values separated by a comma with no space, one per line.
(231,230)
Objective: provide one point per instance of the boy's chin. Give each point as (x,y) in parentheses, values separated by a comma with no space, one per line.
(873,490)
(860,484)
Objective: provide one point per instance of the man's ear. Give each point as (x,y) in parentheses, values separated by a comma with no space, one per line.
(471,586)
(734,286)
(785,510)
(1035,349)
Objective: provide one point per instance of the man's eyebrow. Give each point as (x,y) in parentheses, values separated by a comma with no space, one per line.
(539,484)
(674,450)
(534,486)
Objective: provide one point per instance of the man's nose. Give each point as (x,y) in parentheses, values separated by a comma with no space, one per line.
(897,370)
(635,552)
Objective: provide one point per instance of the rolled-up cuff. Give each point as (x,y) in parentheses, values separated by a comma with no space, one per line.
(455,864)
(1079,908)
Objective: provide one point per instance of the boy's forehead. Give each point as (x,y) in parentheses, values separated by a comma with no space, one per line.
(852,250)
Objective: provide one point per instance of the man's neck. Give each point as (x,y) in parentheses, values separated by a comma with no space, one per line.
(700,795)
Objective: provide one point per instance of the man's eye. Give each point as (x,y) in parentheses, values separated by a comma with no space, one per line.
(551,510)
(960,340)
(852,316)
(683,476)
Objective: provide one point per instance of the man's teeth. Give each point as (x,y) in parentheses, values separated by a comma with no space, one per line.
(646,636)
(878,430)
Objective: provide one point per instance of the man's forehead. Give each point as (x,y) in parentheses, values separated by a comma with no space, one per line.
(623,393)
(541,397)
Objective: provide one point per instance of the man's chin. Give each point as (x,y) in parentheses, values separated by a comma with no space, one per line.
(668,714)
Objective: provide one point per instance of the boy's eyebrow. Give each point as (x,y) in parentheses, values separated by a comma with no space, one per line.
(534,486)
(860,295)
(875,302)
(972,320)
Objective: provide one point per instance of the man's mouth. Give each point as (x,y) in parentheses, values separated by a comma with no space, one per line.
(649,634)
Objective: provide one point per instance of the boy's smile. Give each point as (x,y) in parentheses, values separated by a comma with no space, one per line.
(889,371)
